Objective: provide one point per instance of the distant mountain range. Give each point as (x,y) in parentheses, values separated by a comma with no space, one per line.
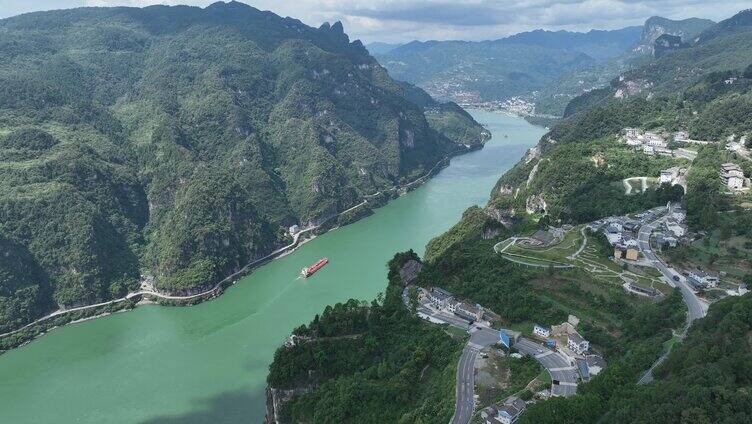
(499,69)
(545,67)
(381,48)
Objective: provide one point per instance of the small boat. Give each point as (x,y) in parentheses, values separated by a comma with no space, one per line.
(308,271)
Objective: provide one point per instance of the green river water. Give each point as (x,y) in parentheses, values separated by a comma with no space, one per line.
(208,363)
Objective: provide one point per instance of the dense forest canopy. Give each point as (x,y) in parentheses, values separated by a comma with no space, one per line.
(181,142)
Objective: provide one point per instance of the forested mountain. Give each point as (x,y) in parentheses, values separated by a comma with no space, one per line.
(499,69)
(704,89)
(554,97)
(180,142)
(723,47)
(656,26)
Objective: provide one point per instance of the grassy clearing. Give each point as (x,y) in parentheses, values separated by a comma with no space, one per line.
(557,253)
(530,260)
(732,256)
(456,333)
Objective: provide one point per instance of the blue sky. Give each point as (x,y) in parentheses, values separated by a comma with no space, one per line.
(405,20)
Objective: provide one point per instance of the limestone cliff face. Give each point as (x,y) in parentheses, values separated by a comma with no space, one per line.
(657,26)
(535,204)
(275,400)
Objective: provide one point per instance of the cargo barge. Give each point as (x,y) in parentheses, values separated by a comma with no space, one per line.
(308,271)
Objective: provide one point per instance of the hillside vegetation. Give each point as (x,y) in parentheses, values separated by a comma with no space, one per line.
(705,379)
(369,363)
(181,142)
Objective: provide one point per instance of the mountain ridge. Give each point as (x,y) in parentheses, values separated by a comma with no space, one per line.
(181,142)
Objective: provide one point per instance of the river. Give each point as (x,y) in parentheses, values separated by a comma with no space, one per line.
(208,363)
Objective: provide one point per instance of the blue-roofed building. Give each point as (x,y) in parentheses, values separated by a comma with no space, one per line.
(583,369)
(506,413)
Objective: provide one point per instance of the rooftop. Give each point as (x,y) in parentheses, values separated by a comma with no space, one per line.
(441,293)
(576,338)
(595,360)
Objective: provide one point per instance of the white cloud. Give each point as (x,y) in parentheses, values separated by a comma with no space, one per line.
(403,20)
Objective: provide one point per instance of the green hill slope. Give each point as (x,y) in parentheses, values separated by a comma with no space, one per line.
(181,142)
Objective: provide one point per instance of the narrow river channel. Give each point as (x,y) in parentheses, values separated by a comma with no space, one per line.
(208,363)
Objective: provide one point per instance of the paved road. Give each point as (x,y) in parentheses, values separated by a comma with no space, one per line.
(556,363)
(697,309)
(465,380)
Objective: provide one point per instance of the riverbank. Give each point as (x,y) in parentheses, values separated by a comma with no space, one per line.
(62,317)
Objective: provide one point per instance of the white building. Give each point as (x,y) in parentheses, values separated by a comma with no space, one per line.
(648,150)
(681,136)
(652,139)
(631,132)
(613,233)
(294,229)
(669,175)
(507,413)
(701,279)
(542,331)
(441,298)
(577,344)
(732,176)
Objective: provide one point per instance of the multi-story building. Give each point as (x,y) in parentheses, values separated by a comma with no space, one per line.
(577,344)
(732,176)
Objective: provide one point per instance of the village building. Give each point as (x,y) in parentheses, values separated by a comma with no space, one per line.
(632,133)
(582,369)
(468,311)
(669,175)
(577,344)
(675,228)
(506,413)
(642,291)
(701,280)
(613,233)
(631,226)
(621,251)
(732,176)
(542,331)
(294,229)
(681,136)
(440,298)
(490,316)
(652,139)
(664,241)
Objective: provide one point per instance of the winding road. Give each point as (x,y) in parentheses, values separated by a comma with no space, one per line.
(563,375)
(696,308)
